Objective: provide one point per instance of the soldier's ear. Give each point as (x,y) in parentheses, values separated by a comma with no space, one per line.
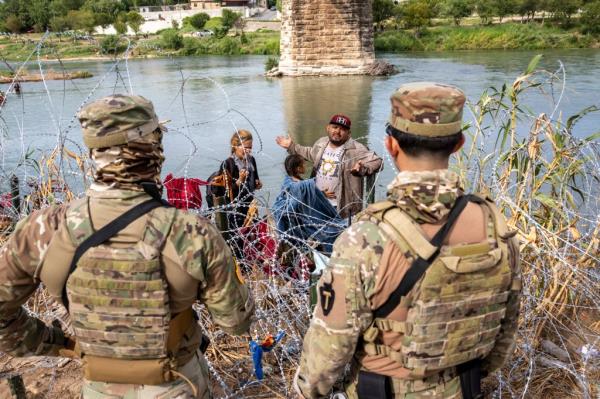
(459,145)
(392,146)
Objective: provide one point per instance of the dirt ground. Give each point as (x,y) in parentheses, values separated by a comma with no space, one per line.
(43,377)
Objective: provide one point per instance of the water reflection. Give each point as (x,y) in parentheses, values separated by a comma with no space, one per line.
(309,103)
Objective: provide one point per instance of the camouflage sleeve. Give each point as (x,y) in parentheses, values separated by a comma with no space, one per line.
(343,309)
(505,343)
(21,256)
(204,254)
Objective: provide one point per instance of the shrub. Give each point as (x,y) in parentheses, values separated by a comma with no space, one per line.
(171,39)
(270,63)
(190,46)
(110,44)
(228,46)
(214,23)
(197,21)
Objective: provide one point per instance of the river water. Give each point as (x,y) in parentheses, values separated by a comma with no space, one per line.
(195,94)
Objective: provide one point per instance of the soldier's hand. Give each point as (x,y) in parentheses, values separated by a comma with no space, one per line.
(284,141)
(258,184)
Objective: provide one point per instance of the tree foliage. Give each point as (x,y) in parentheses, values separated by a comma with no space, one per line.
(135,21)
(417,14)
(458,9)
(197,21)
(486,9)
(229,18)
(383,10)
(590,17)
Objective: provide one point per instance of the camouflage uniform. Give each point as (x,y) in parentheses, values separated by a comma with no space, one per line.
(194,262)
(370,259)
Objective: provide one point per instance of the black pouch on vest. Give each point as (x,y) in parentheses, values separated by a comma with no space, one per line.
(470,379)
(373,386)
(204,343)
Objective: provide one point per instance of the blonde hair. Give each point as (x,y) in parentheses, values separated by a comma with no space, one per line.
(240,137)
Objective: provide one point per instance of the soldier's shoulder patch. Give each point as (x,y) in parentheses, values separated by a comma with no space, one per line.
(326,297)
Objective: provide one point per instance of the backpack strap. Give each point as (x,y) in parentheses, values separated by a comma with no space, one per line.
(420,264)
(105,233)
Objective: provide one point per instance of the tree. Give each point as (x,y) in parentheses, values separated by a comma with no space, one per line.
(230,18)
(458,9)
(527,8)
(505,8)
(563,10)
(82,19)
(590,17)
(59,24)
(120,26)
(135,20)
(13,24)
(486,10)
(105,11)
(382,10)
(417,14)
(39,14)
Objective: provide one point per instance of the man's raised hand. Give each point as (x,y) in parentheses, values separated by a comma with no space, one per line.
(284,141)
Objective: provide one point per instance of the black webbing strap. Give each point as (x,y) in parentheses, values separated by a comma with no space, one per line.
(105,233)
(420,265)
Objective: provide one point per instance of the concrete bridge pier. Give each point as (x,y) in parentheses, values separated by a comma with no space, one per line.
(326,37)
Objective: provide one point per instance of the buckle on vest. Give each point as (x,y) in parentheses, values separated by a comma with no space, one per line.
(371,334)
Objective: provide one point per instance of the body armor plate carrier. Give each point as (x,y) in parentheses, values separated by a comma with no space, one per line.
(455,309)
(119,303)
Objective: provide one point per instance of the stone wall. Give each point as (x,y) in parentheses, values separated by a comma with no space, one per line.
(326,37)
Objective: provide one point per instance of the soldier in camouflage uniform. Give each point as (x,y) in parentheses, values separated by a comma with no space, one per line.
(130,297)
(462,311)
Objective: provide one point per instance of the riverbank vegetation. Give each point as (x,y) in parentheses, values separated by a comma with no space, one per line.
(507,36)
(442,25)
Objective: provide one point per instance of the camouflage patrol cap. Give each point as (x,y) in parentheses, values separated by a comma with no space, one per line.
(427,109)
(116,120)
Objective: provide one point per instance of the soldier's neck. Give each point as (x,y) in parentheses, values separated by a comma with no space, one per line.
(411,164)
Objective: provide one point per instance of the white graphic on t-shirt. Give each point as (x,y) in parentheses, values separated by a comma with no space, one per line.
(328,174)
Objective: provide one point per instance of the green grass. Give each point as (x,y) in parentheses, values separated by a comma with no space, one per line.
(260,43)
(508,36)
(265,43)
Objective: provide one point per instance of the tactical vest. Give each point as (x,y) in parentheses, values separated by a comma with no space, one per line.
(455,309)
(119,304)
